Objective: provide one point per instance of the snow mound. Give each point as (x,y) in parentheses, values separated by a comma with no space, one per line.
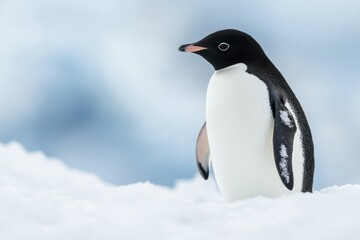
(41,198)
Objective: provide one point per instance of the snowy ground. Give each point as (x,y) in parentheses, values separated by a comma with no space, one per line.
(41,198)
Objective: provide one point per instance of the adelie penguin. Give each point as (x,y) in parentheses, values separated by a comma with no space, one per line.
(256,133)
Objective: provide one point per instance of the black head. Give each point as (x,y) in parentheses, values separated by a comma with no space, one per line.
(227,47)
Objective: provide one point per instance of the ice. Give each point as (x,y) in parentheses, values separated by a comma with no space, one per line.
(284,115)
(41,198)
(283,163)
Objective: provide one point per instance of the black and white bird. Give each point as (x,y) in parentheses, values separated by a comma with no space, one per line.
(256,133)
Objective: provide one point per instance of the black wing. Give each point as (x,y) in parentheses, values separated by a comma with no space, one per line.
(284,131)
(203,153)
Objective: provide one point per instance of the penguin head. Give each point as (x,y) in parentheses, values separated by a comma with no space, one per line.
(225,48)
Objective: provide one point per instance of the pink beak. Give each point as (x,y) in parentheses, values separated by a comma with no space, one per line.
(191,48)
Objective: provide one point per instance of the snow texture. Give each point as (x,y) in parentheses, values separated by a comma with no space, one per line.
(284,162)
(41,198)
(284,115)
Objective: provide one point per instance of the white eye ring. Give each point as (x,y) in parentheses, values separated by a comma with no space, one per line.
(223,46)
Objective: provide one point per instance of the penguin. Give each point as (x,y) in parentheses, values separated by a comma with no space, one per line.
(256,132)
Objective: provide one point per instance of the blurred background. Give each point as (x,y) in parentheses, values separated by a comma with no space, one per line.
(102,86)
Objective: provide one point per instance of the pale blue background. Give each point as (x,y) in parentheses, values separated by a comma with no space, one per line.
(101,85)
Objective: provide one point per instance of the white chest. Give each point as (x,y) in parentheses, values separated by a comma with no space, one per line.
(240,130)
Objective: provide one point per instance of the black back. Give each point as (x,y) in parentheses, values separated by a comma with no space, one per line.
(277,86)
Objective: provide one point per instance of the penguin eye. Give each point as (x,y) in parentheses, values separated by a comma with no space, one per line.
(223,46)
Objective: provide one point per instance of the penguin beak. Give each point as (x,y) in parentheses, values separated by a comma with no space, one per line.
(191,48)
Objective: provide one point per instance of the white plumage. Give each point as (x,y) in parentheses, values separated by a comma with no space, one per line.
(240,132)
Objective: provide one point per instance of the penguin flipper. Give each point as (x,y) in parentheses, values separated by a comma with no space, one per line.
(203,153)
(283,138)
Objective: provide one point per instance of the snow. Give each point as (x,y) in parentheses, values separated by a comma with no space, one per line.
(284,115)
(283,163)
(41,198)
